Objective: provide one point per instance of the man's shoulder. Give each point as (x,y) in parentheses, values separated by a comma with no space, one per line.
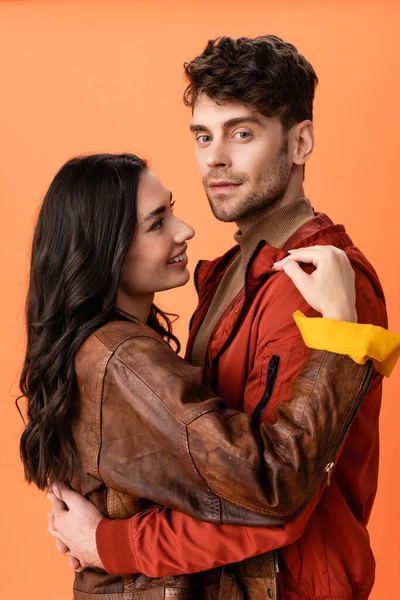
(319,230)
(370,297)
(322,230)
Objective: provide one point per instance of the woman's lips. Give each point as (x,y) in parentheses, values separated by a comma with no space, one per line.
(179,262)
(178,265)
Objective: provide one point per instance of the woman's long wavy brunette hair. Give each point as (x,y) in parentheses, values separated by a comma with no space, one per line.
(84,230)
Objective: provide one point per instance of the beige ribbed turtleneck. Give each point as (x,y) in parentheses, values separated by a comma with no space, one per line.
(275,229)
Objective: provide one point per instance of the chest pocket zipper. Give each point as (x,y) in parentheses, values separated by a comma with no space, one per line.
(272,372)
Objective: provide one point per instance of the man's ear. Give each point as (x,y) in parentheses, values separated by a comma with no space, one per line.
(303,142)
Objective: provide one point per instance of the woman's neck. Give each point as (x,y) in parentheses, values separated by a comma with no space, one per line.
(137,306)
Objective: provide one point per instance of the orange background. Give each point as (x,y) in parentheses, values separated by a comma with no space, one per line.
(79,77)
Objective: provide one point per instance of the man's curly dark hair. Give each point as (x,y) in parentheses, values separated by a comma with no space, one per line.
(266,74)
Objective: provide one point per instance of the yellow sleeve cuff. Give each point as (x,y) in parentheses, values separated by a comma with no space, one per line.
(360,342)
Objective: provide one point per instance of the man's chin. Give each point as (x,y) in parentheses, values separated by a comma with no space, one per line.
(222,213)
(223,217)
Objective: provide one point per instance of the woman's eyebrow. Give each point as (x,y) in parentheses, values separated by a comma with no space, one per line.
(157,211)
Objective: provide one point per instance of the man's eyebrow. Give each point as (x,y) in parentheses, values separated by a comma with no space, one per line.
(244,119)
(194,128)
(157,211)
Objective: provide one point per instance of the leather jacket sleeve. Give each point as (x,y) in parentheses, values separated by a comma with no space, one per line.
(165,437)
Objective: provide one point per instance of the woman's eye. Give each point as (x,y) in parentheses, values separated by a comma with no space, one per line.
(157,225)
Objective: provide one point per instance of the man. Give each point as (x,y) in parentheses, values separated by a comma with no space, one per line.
(252,124)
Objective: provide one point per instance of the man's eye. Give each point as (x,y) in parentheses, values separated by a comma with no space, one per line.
(157,225)
(203,139)
(243,135)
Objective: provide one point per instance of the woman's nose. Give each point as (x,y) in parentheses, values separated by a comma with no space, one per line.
(184,232)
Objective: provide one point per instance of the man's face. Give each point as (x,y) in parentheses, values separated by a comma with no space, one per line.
(242,157)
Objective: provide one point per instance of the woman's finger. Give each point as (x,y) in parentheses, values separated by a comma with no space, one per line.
(306,255)
(300,278)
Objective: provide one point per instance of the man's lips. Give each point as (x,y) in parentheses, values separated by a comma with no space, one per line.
(223,186)
(223,183)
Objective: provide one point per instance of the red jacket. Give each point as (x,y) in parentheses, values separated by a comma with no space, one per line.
(253,357)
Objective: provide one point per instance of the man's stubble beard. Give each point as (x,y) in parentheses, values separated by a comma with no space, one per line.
(266,195)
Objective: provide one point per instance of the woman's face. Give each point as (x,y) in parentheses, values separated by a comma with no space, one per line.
(157,258)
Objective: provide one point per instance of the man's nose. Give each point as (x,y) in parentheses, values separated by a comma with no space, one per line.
(218,157)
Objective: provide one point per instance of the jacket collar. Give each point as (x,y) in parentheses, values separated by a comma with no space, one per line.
(319,229)
(276,228)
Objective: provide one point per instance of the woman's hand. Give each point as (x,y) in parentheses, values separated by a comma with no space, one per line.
(330,289)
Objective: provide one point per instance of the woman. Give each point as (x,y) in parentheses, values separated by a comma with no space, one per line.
(114,412)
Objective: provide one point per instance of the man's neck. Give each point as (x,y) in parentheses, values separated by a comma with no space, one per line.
(276,228)
(294,190)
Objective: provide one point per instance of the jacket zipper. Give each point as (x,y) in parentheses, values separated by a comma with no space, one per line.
(275,556)
(196,285)
(272,372)
(240,317)
(361,394)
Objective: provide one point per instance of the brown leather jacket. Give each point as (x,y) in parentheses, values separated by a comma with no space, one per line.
(149,433)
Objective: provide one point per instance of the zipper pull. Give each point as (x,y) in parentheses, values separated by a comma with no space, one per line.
(328,469)
(276,561)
